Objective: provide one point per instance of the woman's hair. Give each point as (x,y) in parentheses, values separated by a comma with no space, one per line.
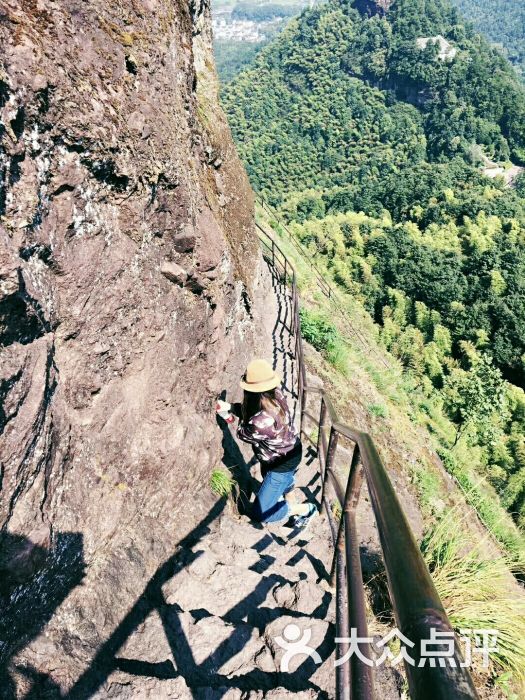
(266,401)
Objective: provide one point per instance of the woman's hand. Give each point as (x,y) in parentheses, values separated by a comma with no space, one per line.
(223,409)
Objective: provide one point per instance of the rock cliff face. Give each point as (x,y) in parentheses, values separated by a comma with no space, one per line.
(373,7)
(129,275)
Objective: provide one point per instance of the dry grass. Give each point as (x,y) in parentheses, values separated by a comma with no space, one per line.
(478,591)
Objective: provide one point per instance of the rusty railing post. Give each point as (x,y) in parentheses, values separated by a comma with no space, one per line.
(330,456)
(362,680)
(302,395)
(338,551)
(321,425)
(339,543)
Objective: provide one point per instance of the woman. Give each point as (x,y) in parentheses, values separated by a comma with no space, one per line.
(266,423)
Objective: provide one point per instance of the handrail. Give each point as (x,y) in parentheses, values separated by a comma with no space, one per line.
(327,289)
(417,607)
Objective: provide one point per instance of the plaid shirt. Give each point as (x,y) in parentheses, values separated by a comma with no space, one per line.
(270,437)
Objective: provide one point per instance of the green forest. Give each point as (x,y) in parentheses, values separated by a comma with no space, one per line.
(232,56)
(507,31)
(372,143)
(261,13)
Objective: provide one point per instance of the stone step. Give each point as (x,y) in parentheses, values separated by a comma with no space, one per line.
(217,630)
(233,575)
(191,655)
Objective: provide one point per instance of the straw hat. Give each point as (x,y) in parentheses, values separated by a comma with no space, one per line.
(260,377)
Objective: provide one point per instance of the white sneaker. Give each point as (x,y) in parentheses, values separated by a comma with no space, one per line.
(303,521)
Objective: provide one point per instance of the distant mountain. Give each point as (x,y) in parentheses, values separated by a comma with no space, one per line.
(342,100)
(371,126)
(503,22)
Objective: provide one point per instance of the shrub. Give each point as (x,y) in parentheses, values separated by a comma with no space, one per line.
(428,485)
(317,330)
(378,409)
(323,335)
(337,355)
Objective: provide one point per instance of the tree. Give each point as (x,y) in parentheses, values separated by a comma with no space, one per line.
(475,397)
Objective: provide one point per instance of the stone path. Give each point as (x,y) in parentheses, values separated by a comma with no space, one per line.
(208,624)
(234,592)
(237,589)
(213,617)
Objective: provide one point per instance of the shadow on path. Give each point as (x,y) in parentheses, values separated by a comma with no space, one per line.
(34,581)
(105,660)
(203,674)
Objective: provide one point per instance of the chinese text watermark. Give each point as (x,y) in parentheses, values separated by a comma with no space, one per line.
(438,650)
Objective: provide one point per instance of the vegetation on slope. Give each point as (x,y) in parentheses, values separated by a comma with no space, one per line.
(371,393)
(507,31)
(232,55)
(370,145)
(435,304)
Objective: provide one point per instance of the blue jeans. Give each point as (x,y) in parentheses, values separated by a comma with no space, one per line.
(269,505)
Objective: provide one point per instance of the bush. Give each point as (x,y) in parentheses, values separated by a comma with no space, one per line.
(378,409)
(337,355)
(317,330)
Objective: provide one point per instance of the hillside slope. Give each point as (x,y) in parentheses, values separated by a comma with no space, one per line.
(508,32)
(470,544)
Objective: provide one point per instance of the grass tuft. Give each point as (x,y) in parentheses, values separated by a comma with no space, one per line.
(379,410)
(221,483)
(337,356)
(336,509)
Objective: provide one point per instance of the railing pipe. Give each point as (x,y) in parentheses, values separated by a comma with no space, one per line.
(321,425)
(339,542)
(416,603)
(362,681)
(330,456)
(342,673)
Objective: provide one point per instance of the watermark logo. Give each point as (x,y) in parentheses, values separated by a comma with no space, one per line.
(295,646)
(438,650)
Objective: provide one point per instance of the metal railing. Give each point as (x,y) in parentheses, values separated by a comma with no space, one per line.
(327,289)
(417,607)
